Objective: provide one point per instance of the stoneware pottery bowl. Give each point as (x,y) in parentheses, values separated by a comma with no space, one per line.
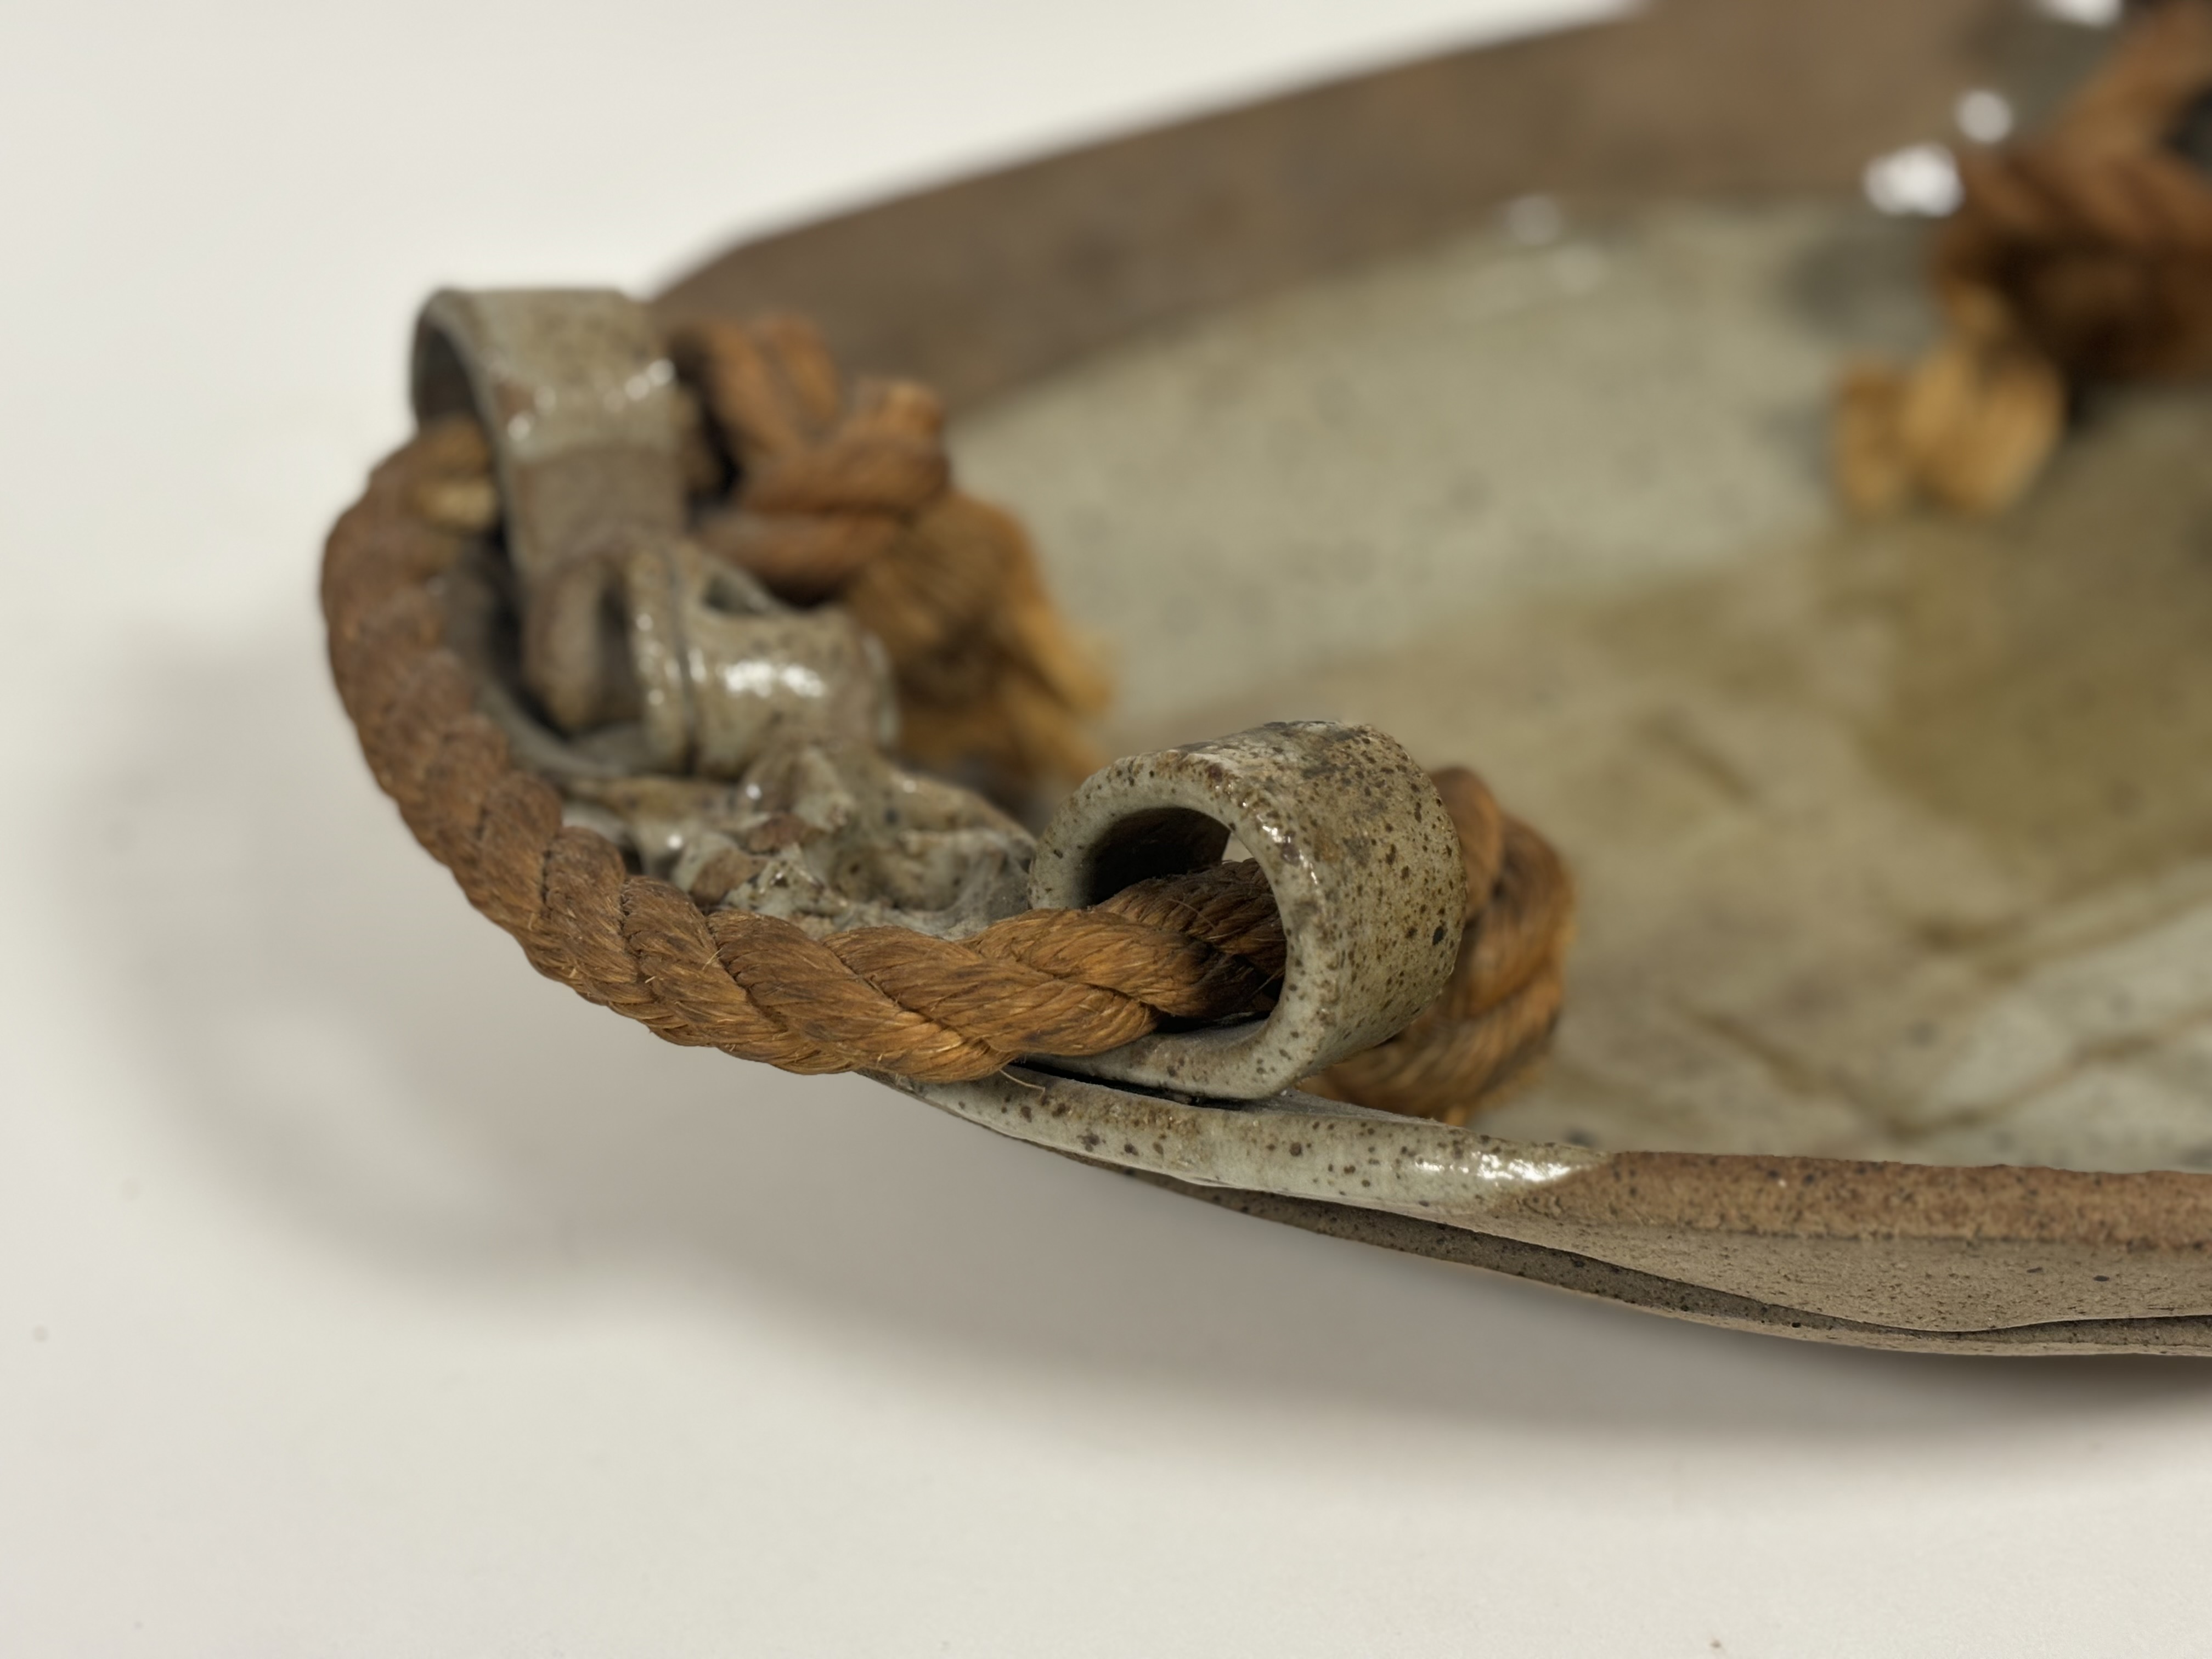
(1483,400)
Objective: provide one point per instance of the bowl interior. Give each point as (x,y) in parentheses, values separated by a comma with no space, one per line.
(1894,840)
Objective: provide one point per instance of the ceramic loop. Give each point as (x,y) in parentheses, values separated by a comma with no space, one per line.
(1356,845)
(579,402)
(623,620)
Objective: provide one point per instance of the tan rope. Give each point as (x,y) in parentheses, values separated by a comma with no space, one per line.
(2081,255)
(851,498)
(1202,946)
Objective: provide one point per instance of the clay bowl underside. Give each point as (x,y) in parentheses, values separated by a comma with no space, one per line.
(1894,842)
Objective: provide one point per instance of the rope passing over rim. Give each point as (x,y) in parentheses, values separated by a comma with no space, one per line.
(1204,946)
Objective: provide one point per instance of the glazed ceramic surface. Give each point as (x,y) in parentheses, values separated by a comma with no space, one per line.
(1893,841)
(1891,1019)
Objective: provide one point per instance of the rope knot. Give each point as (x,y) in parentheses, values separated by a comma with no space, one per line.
(849,496)
(2081,255)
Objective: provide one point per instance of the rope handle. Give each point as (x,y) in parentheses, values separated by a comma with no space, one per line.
(1203,947)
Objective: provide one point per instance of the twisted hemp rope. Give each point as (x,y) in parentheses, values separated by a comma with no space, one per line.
(851,499)
(1203,947)
(2082,255)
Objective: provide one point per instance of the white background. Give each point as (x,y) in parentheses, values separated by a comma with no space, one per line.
(360,1293)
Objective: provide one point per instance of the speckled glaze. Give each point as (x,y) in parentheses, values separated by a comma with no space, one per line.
(1360,855)
(1977,1260)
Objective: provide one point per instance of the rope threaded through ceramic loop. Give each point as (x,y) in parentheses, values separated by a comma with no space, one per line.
(1203,947)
